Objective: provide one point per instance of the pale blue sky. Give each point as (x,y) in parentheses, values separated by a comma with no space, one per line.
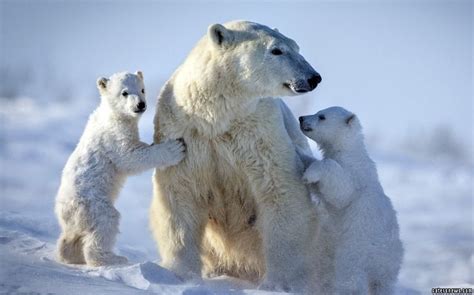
(403,66)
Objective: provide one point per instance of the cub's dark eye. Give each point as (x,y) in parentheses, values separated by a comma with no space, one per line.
(276,51)
(124,93)
(143,91)
(321,117)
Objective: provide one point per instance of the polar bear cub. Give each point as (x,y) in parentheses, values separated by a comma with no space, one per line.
(108,151)
(362,222)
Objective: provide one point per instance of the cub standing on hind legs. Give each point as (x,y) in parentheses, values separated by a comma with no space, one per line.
(362,221)
(108,151)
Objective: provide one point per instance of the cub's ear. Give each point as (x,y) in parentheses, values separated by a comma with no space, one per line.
(102,83)
(219,35)
(276,30)
(350,119)
(139,74)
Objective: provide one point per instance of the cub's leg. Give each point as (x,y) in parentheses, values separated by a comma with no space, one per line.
(351,276)
(383,276)
(70,243)
(69,248)
(101,221)
(382,287)
(143,156)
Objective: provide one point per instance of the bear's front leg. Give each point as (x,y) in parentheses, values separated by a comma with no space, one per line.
(287,221)
(140,156)
(334,183)
(314,172)
(177,223)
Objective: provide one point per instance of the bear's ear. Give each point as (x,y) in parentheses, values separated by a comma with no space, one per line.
(139,74)
(276,30)
(219,35)
(102,83)
(350,119)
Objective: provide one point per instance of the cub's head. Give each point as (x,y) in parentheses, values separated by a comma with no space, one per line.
(124,93)
(334,127)
(259,61)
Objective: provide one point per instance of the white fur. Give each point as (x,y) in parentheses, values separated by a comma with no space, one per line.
(108,151)
(360,236)
(236,205)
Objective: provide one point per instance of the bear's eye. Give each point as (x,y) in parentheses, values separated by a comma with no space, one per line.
(143,91)
(277,51)
(321,117)
(124,93)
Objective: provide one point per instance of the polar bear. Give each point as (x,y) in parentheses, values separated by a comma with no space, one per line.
(236,205)
(362,222)
(108,151)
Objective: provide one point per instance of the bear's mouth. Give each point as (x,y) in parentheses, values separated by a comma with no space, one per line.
(139,111)
(292,87)
(304,127)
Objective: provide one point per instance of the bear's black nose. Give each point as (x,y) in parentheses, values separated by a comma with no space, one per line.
(301,119)
(314,81)
(141,105)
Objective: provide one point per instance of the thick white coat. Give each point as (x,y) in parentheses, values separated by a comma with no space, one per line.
(108,151)
(359,244)
(236,205)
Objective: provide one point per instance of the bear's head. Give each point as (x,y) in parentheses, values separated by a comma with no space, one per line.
(332,128)
(124,93)
(262,59)
(250,60)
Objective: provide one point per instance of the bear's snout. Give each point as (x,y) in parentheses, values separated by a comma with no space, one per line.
(314,81)
(141,107)
(304,85)
(304,125)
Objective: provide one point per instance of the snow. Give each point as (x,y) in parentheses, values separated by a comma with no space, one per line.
(433,200)
(405,67)
(28,266)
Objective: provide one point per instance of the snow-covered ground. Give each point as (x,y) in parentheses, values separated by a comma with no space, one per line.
(405,67)
(434,203)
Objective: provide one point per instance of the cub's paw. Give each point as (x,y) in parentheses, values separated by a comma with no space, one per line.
(313,173)
(173,152)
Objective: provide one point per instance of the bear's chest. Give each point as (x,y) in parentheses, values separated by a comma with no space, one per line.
(230,201)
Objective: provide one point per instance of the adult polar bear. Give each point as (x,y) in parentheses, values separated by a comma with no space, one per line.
(236,204)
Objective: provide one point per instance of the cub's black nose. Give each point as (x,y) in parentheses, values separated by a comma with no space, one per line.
(301,119)
(141,105)
(314,81)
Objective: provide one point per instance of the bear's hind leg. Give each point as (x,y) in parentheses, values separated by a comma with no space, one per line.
(382,286)
(69,249)
(100,237)
(351,277)
(379,288)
